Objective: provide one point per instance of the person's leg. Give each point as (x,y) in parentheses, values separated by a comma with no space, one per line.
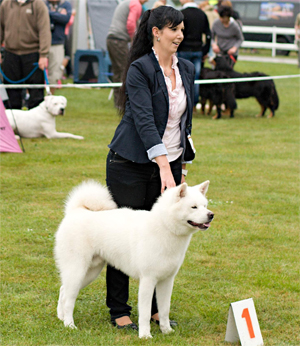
(298,43)
(12,69)
(197,61)
(118,53)
(127,182)
(36,95)
(56,57)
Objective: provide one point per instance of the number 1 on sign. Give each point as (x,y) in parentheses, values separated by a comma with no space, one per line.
(246,315)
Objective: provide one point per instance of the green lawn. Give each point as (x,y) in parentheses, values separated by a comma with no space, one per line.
(250,251)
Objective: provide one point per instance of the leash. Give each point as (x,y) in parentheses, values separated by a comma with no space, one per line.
(21,80)
(36,66)
(47,83)
(232,58)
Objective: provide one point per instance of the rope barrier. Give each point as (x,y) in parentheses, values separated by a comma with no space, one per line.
(115,85)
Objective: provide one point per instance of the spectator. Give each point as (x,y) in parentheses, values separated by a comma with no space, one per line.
(235,14)
(297,36)
(159,3)
(66,64)
(27,40)
(210,12)
(60,12)
(121,31)
(212,15)
(192,48)
(226,34)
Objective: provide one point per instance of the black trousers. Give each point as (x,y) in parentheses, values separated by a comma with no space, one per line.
(16,67)
(136,186)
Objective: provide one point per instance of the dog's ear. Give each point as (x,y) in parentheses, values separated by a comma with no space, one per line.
(47,99)
(204,187)
(182,190)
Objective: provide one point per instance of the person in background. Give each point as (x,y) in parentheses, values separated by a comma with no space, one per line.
(210,11)
(235,14)
(159,3)
(212,15)
(297,36)
(66,64)
(27,41)
(120,34)
(148,152)
(226,34)
(60,12)
(192,48)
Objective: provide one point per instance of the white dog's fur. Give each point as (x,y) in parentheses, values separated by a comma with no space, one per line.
(147,245)
(39,121)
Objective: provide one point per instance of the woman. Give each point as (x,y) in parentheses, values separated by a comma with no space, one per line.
(149,146)
(226,34)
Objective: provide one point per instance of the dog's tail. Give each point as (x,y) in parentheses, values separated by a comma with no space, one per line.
(274,96)
(90,195)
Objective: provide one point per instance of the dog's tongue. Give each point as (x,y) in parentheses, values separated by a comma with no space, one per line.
(206,224)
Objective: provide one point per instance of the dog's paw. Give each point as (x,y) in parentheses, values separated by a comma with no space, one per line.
(166,330)
(70,325)
(145,336)
(60,315)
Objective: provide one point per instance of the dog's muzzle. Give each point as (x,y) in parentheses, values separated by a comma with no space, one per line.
(203,226)
(62,111)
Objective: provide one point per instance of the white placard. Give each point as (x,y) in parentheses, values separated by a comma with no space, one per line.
(242,324)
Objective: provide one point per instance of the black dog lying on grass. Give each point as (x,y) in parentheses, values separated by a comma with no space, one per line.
(264,91)
(217,93)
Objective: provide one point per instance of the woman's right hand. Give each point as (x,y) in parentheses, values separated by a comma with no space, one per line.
(166,176)
(216,48)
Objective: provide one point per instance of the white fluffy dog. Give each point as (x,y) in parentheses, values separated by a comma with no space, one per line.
(147,245)
(40,121)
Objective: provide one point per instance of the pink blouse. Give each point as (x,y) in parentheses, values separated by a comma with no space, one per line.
(177,106)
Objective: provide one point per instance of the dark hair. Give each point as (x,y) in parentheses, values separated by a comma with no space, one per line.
(159,17)
(225,11)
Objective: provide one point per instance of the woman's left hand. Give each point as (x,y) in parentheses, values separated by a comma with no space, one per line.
(166,176)
(232,51)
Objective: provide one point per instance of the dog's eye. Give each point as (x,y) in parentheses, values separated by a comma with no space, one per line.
(194,207)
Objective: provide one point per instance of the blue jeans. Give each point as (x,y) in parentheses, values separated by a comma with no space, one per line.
(196,59)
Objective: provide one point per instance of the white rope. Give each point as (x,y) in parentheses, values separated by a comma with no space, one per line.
(116,85)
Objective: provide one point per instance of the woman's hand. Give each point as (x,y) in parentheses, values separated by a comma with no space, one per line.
(166,176)
(232,51)
(216,48)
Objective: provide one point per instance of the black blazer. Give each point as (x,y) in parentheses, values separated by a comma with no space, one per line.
(146,113)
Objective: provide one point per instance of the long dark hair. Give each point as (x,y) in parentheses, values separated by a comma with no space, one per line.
(159,17)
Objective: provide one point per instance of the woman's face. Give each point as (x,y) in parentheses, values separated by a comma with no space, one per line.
(170,38)
(225,21)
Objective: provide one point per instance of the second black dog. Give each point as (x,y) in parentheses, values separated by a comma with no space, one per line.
(264,91)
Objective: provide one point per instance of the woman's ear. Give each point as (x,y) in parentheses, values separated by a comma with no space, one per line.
(155,32)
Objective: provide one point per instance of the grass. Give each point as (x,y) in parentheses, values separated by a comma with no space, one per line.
(251,250)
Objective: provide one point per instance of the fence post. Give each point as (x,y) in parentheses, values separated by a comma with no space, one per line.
(274,36)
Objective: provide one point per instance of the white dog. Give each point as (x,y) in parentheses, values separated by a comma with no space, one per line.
(40,121)
(147,245)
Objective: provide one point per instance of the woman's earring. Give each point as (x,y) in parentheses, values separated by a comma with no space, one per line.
(158,39)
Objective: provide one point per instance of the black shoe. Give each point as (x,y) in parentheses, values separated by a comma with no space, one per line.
(172,323)
(131,326)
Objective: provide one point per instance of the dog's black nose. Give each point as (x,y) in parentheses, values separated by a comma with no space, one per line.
(210,216)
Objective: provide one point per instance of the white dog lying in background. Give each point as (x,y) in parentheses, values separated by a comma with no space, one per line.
(147,245)
(40,121)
